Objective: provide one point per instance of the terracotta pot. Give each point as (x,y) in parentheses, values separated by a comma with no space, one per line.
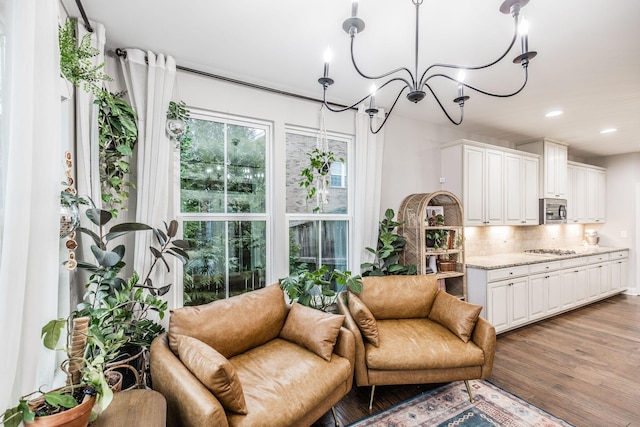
(114,379)
(74,417)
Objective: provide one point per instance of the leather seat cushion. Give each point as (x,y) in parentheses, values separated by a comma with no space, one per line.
(283,381)
(420,344)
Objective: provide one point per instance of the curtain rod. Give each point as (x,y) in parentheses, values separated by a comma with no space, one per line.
(87,25)
(122,53)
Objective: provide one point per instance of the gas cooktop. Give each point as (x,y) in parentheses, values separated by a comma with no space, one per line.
(551,251)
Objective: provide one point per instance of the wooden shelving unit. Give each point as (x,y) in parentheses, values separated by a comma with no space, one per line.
(413,214)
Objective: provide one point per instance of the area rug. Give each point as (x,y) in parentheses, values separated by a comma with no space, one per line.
(449,405)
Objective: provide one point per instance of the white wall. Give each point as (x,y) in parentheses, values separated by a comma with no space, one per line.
(623,210)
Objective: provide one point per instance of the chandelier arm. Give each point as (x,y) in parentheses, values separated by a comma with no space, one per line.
(484,92)
(387,115)
(477,67)
(340,110)
(444,110)
(353,61)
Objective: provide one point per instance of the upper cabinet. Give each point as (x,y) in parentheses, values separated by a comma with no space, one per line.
(553,167)
(497,186)
(586,193)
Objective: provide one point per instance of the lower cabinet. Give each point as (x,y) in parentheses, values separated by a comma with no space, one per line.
(515,296)
(506,303)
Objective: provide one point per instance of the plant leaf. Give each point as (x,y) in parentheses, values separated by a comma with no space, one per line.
(181,244)
(155,252)
(60,398)
(173,228)
(163,290)
(106,258)
(51,333)
(98,216)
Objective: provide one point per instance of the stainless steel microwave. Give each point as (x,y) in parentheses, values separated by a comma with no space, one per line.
(553,211)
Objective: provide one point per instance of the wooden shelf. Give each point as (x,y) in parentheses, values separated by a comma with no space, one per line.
(413,213)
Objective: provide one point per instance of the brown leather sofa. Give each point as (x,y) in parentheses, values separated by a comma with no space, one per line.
(420,333)
(252,360)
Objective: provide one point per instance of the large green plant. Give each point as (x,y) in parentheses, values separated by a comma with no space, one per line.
(313,288)
(118,136)
(387,252)
(75,59)
(115,303)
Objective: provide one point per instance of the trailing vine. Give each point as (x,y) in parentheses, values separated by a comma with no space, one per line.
(117,139)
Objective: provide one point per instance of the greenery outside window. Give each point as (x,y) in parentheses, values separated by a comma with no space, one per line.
(223,206)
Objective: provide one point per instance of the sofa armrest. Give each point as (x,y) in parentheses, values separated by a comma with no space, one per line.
(484,336)
(360,364)
(189,402)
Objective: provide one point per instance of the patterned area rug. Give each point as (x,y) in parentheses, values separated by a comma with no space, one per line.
(449,406)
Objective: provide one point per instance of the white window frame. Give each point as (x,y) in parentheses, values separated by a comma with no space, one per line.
(348,217)
(202,114)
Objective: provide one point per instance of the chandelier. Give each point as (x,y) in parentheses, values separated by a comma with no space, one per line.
(417,87)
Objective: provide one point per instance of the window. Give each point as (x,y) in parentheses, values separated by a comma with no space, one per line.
(223,206)
(322,237)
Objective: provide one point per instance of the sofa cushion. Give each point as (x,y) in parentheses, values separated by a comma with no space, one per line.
(399,297)
(364,319)
(458,316)
(420,344)
(214,371)
(312,329)
(282,381)
(233,325)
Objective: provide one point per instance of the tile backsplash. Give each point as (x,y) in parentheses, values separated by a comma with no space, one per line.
(491,240)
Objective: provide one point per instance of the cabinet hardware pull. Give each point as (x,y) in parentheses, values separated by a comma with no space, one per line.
(510,284)
(546,277)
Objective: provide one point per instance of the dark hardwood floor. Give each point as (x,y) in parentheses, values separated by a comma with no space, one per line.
(582,366)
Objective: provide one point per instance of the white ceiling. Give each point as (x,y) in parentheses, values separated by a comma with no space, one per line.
(588,62)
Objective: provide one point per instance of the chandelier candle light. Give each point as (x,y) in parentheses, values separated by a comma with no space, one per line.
(355,25)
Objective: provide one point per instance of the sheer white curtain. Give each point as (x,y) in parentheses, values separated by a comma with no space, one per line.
(34,169)
(369,149)
(149,79)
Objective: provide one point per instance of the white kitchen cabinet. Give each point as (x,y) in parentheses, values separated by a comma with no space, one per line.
(553,166)
(507,303)
(586,193)
(497,185)
(522,294)
(521,187)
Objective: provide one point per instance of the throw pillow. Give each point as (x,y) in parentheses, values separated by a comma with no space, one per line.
(458,316)
(364,319)
(214,371)
(312,329)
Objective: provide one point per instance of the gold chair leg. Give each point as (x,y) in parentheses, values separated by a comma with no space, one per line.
(335,416)
(373,390)
(466,383)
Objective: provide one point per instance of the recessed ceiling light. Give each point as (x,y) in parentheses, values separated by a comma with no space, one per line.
(609,130)
(554,113)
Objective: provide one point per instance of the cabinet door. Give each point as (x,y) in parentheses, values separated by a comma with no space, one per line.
(530,190)
(591,194)
(602,196)
(537,298)
(552,286)
(615,275)
(567,285)
(593,277)
(580,191)
(555,170)
(518,299)
(513,186)
(494,187)
(605,279)
(498,305)
(473,186)
(581,286)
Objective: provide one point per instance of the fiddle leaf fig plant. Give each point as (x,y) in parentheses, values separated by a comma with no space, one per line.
(315,175)
(387,252)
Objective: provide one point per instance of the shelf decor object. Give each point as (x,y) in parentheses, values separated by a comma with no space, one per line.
(414,214)
(418,86)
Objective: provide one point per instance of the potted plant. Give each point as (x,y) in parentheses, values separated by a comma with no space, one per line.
(387,253)
(72,404)
(315,176)
(116,305)
(118,135)
(437,238)
(313,288)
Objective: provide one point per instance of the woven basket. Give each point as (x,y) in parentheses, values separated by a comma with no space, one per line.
(446,265)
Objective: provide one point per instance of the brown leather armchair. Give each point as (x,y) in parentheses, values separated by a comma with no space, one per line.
(423,335)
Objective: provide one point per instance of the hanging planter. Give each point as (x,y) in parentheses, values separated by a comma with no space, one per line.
(177,116)
(315,177)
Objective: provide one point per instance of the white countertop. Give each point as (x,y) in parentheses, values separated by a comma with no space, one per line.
(491,262)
